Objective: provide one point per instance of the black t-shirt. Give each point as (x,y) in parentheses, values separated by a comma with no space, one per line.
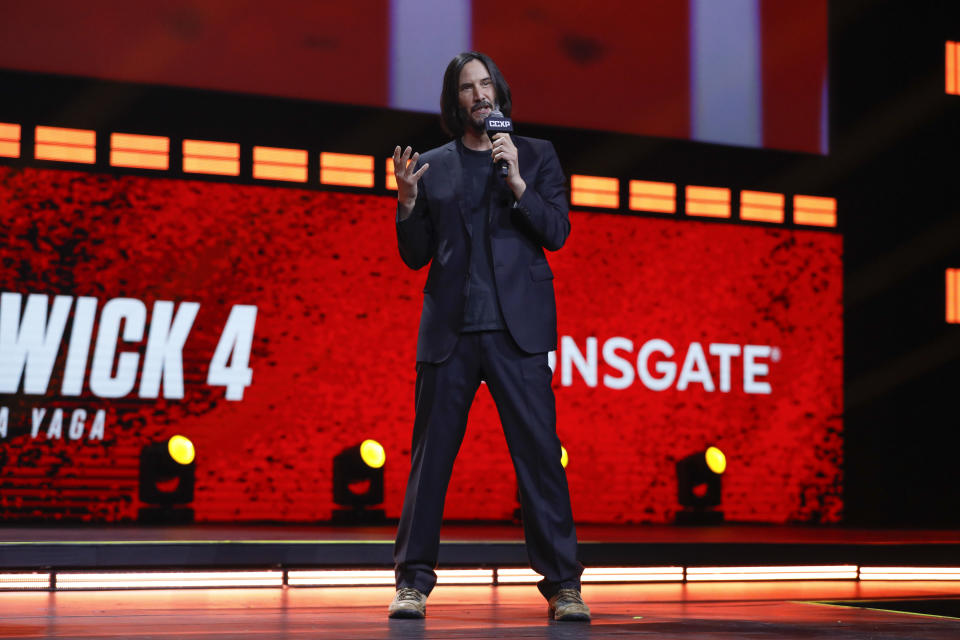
(482,309)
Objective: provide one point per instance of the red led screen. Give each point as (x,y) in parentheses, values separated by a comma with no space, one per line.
(721,71)
(129,304)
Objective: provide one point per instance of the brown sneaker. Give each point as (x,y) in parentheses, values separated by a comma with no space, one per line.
(408,603)
(567,606)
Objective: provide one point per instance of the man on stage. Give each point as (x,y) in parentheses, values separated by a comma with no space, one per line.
(488,314)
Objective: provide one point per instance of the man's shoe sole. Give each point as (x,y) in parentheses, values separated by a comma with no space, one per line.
(570,617)
(408,614)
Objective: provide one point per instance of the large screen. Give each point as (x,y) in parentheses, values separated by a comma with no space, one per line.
(276,326)
(741,72)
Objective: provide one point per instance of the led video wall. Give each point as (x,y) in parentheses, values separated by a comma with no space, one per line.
(741,72)
(276,326)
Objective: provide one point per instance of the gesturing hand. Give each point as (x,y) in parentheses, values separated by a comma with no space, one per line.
(407,179)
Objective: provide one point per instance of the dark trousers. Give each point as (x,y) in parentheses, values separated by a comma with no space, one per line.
(520,385)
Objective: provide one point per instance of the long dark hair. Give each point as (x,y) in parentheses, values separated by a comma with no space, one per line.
(450,117)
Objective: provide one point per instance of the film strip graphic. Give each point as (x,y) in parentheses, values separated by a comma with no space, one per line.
(702,201)
(218,158)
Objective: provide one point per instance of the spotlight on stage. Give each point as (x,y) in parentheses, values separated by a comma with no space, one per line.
(167,477)
(700,487)
(358,483)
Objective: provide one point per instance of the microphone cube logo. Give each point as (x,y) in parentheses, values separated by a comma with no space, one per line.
(494,123)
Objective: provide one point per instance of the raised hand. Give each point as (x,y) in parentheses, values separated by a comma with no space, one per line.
(407,178)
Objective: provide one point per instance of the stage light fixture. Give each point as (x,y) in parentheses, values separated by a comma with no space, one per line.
(167,479)
(372,454)
(700,486)
(358,483)
(181,449)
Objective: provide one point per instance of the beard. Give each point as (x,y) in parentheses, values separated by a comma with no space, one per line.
(473,122)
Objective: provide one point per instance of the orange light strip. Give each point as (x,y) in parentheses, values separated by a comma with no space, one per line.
(710,202)
(168,579)
(214,579)
(216,158)
(814,210)
(324,578)
(517,576)
(632,574)
(838,572)
(594,191)
(66,145)
(9,140)
(761,206)
(910,573)
(272,163)
(138,151)
(391,178)
(953,296)
(346,169)
(352,170)
(15,581)
(953,67)
(464,576)
(956,66)
(382,577)
(653,196)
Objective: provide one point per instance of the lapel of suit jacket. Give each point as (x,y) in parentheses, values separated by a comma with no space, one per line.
(456,179)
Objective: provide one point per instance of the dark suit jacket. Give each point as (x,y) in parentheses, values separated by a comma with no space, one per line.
(439,231)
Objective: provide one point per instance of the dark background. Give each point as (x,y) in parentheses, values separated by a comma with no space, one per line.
(893,166)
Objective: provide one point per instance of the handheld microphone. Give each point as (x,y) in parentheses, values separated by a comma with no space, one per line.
(496,123)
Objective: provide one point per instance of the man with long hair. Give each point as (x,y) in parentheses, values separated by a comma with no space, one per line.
(489,314)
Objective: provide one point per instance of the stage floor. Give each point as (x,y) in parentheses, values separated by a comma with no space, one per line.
(470,532)
(759,611)
(224,546)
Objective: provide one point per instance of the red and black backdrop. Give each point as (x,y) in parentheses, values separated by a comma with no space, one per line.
(332,353)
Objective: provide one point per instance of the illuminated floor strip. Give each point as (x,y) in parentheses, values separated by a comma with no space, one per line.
(910,573)
(106,580)
(14,581)
(736,574)
(517,576)
(331,578)
(465,576)
(632,574)
(168,579)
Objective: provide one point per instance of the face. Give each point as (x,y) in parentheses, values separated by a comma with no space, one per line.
(477,94)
